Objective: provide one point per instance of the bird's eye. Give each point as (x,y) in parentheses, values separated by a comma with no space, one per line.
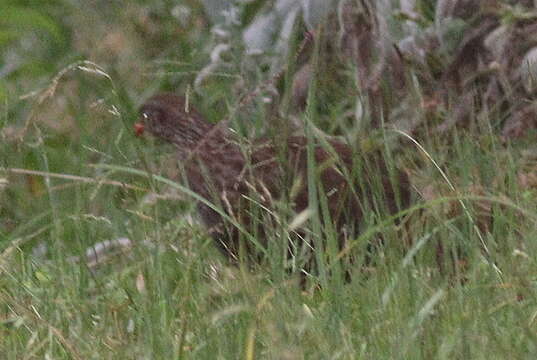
(151,115)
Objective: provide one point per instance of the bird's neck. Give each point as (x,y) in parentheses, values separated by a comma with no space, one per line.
(201,137)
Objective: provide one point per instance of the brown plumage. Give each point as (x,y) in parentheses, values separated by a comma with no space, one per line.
(229,172)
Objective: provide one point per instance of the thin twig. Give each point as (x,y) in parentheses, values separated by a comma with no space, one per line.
(73,178)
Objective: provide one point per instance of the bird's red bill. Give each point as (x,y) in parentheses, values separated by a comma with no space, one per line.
(139,129)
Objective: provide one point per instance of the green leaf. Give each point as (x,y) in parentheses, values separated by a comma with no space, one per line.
(6,36)
(17,19)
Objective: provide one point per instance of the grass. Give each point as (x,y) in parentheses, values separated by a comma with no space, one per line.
(172,295)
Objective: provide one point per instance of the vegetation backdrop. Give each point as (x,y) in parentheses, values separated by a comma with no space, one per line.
(100,261)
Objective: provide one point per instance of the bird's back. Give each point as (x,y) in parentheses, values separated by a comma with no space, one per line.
(261,175)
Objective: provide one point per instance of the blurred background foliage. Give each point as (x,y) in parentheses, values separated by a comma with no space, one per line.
(456,57)
(72,74)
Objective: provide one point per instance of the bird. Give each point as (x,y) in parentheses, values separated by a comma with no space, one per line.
(237,175)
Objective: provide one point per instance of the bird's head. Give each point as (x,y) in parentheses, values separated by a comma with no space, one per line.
(169,117)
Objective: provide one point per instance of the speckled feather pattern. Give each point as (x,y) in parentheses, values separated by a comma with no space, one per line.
(226,172)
